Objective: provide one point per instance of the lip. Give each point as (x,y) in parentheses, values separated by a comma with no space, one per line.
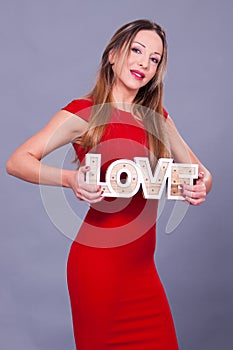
(137,74)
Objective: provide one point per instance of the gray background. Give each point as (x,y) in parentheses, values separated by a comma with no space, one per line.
(50,52)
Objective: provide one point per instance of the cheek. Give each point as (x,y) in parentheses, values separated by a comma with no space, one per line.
(153,72)
(121,65)
(130,60)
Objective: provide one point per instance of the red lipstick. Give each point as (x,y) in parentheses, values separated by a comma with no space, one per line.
(137,74)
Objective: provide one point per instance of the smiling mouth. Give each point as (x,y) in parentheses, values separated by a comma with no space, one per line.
(137,74)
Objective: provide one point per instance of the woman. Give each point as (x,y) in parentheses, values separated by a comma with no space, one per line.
(117,299)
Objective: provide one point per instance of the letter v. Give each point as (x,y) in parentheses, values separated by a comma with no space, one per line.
(153,185)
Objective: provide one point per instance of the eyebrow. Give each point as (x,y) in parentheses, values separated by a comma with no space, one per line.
(137,42)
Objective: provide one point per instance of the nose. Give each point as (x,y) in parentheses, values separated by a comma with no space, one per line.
(143,62)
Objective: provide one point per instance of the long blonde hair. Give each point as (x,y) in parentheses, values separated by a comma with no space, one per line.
(147,102)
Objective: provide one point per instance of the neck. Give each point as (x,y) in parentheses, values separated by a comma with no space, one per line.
(123,96)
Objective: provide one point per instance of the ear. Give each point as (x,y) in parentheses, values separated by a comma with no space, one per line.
(112,56)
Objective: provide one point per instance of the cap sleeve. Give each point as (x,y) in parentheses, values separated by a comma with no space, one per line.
(165,113)
(80,107)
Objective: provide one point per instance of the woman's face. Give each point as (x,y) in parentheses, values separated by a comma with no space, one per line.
(136,69)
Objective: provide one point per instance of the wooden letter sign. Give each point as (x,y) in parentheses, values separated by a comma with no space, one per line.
(124,177)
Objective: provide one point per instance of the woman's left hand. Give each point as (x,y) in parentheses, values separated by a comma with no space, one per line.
(195,194)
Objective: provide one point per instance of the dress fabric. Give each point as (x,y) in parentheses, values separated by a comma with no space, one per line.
(117,299)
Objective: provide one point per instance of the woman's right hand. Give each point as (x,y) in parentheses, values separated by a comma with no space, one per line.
(83,190)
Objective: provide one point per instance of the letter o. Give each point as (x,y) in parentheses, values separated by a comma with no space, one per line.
(113,178)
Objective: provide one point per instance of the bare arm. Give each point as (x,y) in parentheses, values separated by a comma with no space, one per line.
(25,163)
(182,153)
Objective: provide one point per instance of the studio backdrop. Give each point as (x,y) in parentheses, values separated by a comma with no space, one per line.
(50,54)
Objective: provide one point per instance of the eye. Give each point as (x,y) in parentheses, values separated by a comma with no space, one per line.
(136,50)
(155,60)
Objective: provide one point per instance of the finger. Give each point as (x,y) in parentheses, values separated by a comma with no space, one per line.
(89,188)
(84,169)
(88,198)
(92,201)
(201,176)
(88,195)
(194,195)
(194,188)
(194,201)
(81,177)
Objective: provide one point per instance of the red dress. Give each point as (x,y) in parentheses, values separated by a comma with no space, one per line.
(117,299)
